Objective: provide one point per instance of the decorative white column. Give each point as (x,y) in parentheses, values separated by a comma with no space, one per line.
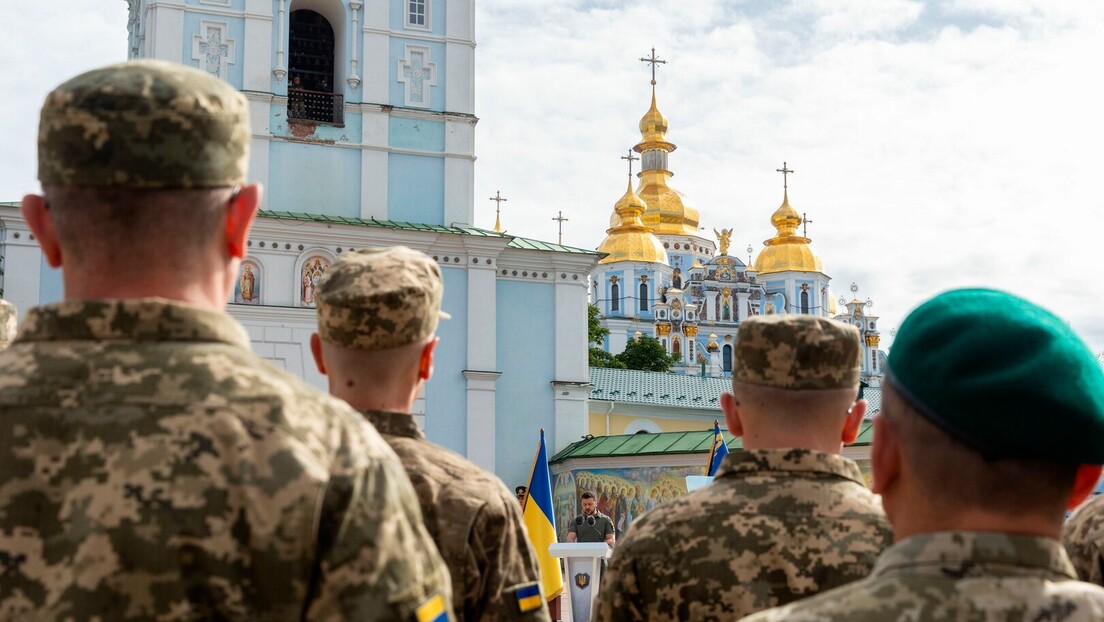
(354,79)
(281,70)
(481,417)
(741,305)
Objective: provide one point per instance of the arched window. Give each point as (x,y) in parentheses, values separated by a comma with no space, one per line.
(676,347)
(615,297)
(726,358)
(311,81)
(643,296)
(804,301)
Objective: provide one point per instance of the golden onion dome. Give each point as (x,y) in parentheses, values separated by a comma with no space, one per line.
(629,239)
(787,251)
(653,125)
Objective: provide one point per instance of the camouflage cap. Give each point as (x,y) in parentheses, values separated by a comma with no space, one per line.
(7,322)
(380,298)
(144,124)
(797,352)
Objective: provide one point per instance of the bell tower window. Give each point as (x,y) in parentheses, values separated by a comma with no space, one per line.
(311,84)
(615,297)
(643,296)
(417,14)
(804,301)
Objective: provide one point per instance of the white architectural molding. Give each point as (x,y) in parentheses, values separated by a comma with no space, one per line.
(280,70)
(417,75)
(481,417)
(354,43)
(213,48)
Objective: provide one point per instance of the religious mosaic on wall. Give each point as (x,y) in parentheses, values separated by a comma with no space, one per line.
(312,271)
(247,290)
(623,494)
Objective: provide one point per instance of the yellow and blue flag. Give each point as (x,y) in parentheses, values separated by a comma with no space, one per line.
(718,451)
(541,522)
(432,610)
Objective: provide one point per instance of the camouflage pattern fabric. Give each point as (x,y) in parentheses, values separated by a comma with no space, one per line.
(152,467)
(7,322)
(959,575)
(797,352)
(1083,537)
(776,525)
(475,522)
(144,124)
(602,527)
(378,299)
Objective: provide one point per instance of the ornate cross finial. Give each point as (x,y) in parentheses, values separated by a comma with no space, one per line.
(654,61)
(749,251)
(785,171)
(805,225)
(498,199)
(562,220)
(630,158)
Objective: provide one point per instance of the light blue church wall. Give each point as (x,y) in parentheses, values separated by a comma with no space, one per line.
(236,32)
(447,391)
(436,55)
(235,5)
(526,357)
(349,133)
(416,134)
(315,179)
(416,189)
(436,18)
(51,289)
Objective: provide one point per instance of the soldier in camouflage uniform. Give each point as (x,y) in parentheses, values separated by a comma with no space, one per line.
(377,316)
(7,323)
(979,448)
(151,466)
(1083,537)
(786,517)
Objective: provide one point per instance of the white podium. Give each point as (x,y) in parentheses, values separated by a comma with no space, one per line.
(584,566)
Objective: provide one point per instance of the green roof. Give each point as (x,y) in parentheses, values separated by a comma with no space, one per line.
(657,388)
(643,444)
(664,443)
(514,241)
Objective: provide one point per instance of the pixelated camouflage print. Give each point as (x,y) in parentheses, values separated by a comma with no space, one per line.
(958,575)
(8,315)
(151,467)
(144,124)
(1083,537)
(797,352)
(775,526)
(378,299)
(474,520)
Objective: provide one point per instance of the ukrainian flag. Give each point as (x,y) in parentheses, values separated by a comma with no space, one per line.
(541,522)
(718,451)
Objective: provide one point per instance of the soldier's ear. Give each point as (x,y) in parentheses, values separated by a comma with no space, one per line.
(853,423)
(425,364)
(885,456)
(37,214)
(240,213)
(316,351)
(1087,477)
(731,409)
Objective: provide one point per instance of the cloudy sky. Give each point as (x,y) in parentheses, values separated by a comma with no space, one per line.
(935,144)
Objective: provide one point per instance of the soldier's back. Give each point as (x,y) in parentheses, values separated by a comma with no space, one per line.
(969,576)
(153,467)
(1083,537)
(775,526)
(474,520)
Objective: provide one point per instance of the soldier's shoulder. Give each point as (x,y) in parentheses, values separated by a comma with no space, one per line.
(447,477)
(1087,519)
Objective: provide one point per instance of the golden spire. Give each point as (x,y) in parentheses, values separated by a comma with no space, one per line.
(498,199)
(628,239)
(787,251)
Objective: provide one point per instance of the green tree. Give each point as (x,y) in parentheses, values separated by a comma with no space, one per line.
(596,334)
(647,354)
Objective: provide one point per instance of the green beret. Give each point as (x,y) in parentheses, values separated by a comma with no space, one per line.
(797,352)
(144,124)
(378,299)
(1002,375)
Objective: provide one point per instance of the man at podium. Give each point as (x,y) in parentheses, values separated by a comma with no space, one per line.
(591,525)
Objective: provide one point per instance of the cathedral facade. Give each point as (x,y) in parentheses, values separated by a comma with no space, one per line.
(661,278)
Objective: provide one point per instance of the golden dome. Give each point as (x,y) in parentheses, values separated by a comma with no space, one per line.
(787,251)
(629,239)
(667,213)
(653,125)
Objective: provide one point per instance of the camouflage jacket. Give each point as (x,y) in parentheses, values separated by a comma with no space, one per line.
(476,523)
(959,575)
(775,525)
(1084,539)
(152,467)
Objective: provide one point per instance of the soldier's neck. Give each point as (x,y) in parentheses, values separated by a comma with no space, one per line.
(208,292)
(914,521)
(362,394)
